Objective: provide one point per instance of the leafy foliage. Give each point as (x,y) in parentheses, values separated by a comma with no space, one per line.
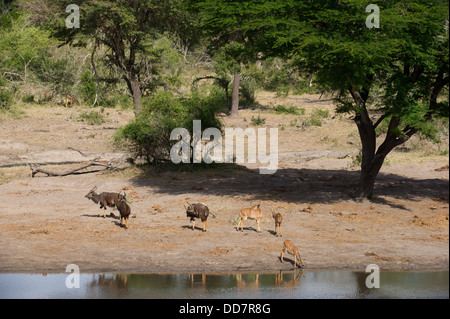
(5,99)
(128,29)
(22,49)
(148,136)
(398,70)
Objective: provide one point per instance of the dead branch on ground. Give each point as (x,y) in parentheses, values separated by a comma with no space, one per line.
(79,169)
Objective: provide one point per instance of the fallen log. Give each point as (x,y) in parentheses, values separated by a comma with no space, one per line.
(35,168)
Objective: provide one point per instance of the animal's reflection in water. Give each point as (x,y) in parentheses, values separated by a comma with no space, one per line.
(204,281)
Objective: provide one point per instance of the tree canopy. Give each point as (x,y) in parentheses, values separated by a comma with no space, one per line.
(127,28)
(222,21)
(390,77)
(392,73)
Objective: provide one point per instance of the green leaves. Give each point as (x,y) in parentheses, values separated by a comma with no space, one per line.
(149,134)
(224,21)
(22,48)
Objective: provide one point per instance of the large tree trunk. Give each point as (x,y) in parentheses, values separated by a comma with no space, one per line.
(235,95)
(136,93)
(368,141)
(372,159)
(368,177)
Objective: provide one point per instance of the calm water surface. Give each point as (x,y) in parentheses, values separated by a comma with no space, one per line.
(309,284)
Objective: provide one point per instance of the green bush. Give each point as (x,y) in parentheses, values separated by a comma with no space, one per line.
(257,121)
(218,98)
(247,93)
(280,109)
(148,135)
(5,99)
(321,113)
(278,77)
(304,88)
(315,119)
(251,80)
(92,118)
(87,87)
(107,93)
(28,98)
(282,91)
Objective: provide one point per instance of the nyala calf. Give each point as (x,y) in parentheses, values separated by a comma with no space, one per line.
(293,250)
(278,219)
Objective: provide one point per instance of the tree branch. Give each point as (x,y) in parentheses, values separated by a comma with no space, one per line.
(35,168)
(438,85)
(382,117)
(96,43)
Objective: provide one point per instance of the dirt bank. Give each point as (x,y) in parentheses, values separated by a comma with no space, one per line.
(46,223)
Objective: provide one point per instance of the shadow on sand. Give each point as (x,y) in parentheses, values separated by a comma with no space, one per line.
(292,185)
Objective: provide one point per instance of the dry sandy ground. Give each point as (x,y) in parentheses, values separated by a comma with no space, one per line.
(46,223)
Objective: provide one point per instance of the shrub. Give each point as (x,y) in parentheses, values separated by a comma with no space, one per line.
(247,93)
(92,118)
(148,135)
(282,91)
(28,98)
(257,121)
(5,99)
(314,120)
(279,109)
(316,117)
(321,113)
(87,87)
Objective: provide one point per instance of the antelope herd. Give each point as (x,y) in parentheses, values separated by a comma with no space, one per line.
(199,211)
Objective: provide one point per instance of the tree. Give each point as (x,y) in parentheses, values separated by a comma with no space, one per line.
(22,47)
(222,21)
(393,73)
(125,27)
